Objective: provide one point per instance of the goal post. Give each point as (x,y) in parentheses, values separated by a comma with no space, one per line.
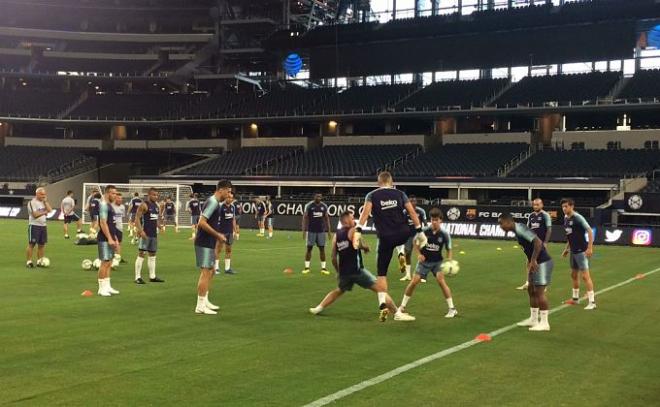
(179,193)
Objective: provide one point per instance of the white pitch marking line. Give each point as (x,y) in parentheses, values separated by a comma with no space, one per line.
(428,359)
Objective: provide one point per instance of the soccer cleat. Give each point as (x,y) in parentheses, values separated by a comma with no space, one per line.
(112,291)
(230,271)
(423,280)
(402,263)
(325,272)
(211,306)
(402,316)
(524,286)
(216,271)
(540,327)
(66,236)
(29,264)
(306,271)
(314,311)
(383,314)
(451,313)
(205,311)
(139,281)
(104,293)
(405,278)
(572,301)
(156,280)
(260,235)
(528,322)
(590,306)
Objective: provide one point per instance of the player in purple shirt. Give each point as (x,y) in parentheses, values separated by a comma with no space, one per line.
(227,227)
(580,247)
(387,205)
(540,223)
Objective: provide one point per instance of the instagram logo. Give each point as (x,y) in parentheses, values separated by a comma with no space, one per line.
(642,237)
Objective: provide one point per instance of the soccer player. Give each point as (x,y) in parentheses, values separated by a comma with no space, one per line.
(226,226)
(68,208)
(260,216)
(539,269)
(429,259)
(580,246)
(387,203)
(169,212)
(239,212)
(270,215)
(405,250)
(133,205)
(38,210)
(146,223)
(107,242)
(119,212)
(93,209)
(540,223)
(347,261)
(205,241)
(315,225)
(193,207)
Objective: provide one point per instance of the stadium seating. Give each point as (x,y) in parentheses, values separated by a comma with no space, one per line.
(48,164)
(377,98)
(462,160)
(242,162)
(35,103)
(342,160)
(137,106)
(576,89)
(588,163)
(644,85)
(452,94)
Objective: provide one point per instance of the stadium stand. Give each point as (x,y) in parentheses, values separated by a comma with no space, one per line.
(35,103)
(462,160)
(343,160)
(243,161)
(453,94)
(48,164)
(588,163)
(644,85)
(378,98)
(576,88)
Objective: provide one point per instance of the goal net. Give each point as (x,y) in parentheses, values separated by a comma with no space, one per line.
(180,194)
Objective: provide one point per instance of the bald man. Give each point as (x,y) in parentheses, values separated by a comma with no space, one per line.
(38,209)
(541,224)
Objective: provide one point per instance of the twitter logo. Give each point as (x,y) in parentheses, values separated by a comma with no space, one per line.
(612,236)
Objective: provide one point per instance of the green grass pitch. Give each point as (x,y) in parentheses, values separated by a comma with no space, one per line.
(147,347)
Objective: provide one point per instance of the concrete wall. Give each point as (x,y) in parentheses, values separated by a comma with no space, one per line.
(372,140)
(47,142)
(171,144)
(473,138)
(274,142)
(599,139)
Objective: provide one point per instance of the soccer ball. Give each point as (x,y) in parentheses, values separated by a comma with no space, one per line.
(87,264)
(43,262)
(96,264)
(115,263)
(450,268)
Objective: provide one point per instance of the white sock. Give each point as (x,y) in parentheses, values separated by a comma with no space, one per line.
(261,230)
(544,316)
(323,265)
(576,293)
(238,236)
(534,314)
(404,301)
(193,234)
(592,296)
(227,264)
(101,285)
(408,271)
(217,264)
(382,298)
(138,267)
(270,234)
(307,264)
(401,249)
(450,303)
(151,264)
(201,302)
